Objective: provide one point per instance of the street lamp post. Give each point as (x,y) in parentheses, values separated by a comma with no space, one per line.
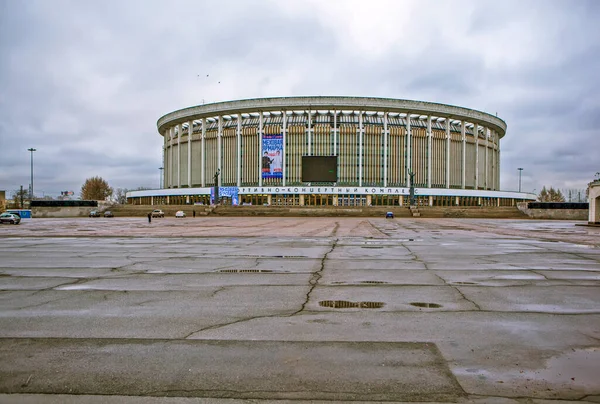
(520,171)
(160,179)
(31,150)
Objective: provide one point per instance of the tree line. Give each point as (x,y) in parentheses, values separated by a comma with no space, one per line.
(93,189)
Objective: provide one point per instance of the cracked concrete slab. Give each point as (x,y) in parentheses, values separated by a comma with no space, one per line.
(229,369)
(518,320)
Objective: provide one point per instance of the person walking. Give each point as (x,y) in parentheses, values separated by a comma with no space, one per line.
(149,217)
(194,213)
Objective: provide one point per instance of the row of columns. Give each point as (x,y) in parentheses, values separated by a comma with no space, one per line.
(169,142)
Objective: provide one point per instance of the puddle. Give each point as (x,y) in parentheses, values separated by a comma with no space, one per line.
(580,367)
(344,304)
(76,287)
(246,271)
(519,277)
(427,305)
(577,369)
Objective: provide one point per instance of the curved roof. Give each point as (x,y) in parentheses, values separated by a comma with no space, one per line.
(329,103)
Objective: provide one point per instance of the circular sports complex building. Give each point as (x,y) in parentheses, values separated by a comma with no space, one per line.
(341,151)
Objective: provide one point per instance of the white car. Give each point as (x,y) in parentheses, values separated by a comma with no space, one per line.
(180,213)
(158,213)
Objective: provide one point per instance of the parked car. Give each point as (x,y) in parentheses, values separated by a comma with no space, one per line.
(108,213)
(10,218)
(389,215)
(180,213)
(94,213)
(158,213)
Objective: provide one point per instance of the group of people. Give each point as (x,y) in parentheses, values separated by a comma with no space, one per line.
(272,164)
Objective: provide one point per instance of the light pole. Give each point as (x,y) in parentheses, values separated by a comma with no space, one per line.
(31,150)
(520,171)
(160,179)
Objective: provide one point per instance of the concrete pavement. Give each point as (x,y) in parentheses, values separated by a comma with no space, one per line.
(229,309)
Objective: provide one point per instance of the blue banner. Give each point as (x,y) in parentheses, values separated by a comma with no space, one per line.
(272,156)
(230,192)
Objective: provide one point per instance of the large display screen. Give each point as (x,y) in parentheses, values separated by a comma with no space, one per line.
(319,169)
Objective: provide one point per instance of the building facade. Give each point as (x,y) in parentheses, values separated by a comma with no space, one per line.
(251,152)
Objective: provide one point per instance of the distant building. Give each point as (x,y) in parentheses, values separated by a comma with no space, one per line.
(343,151)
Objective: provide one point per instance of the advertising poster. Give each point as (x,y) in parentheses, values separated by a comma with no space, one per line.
(229,192)
(272,156)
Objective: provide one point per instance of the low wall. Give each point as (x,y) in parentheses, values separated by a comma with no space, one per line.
(71,211)
(554,214)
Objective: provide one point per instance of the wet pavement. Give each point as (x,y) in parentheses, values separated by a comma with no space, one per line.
(228,309)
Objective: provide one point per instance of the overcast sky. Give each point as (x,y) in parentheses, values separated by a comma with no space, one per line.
(84,82)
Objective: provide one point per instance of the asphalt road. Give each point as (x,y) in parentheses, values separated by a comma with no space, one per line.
(235,309)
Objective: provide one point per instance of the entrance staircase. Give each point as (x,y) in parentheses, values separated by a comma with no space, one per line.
(414,211)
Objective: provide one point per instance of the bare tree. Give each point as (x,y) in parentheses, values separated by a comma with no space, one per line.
(95,189)
(121,195)
(18,196)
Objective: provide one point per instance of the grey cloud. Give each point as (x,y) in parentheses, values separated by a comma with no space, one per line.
(85,82)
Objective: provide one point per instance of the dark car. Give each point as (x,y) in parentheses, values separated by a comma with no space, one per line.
(94,213)
(389,215)
(108,213)
(10,218)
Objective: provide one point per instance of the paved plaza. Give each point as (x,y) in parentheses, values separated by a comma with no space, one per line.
(304,309)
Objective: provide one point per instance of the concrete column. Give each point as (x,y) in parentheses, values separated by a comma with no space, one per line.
(463,124)
(429,152)
(189,156)
(457,201)
(485,169)
(385,148)
(260,151)
(179,129)
(309,120)
(335,132)
(498,168)
(203,153)
(447,152)
(284,159)
(239,150)
(164,157)
(269,199)
(401,200)
(492,161)
(430,200)
(219,148)
(408,150)
(476,129)
(301,199)
(369,200)
(171,142)
(360,148)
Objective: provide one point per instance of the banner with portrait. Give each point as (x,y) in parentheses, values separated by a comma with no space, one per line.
(272,156)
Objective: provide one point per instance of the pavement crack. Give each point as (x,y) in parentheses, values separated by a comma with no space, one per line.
(220,289)
(415,256)
(241,320)
(315,277)
(540,274)
(464,297)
